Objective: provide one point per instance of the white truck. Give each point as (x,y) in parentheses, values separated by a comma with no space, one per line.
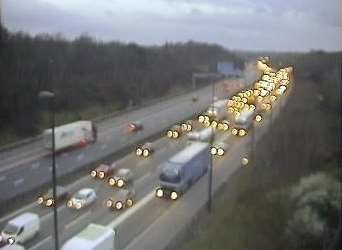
(72,134)
(93,237)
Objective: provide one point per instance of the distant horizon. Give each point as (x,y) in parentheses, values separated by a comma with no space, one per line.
(95,39)
(266,25)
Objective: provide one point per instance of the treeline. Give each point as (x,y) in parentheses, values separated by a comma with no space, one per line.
(85,72)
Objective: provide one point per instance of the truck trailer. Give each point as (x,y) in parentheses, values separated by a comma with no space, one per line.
(182,170)
(93,237)
(72,134)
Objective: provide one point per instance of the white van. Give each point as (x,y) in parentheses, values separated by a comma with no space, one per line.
(22,228)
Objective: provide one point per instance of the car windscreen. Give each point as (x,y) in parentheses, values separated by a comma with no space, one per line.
(10,229)
(170,176)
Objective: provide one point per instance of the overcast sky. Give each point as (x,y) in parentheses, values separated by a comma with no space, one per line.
(286,25)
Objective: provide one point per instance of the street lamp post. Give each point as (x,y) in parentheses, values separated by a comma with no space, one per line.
(50,97)
(210,176)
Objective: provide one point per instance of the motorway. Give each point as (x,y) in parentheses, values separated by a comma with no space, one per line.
(29,166)
(150,223)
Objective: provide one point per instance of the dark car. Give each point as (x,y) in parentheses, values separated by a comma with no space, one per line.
(103,171)
(62,194)
(135,126)
(124,198)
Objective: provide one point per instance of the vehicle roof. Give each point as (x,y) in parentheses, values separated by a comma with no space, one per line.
(102,166)
(123,172)
(23,218)
(121,195)
(85,191)
(188,153)
(70,126)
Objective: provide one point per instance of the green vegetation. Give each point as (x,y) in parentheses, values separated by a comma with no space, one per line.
(290,198)
(88,76)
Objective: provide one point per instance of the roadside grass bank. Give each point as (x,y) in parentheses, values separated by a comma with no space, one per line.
(258,208)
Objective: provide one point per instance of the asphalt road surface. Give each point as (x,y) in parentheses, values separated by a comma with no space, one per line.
(151,223)
(29,166)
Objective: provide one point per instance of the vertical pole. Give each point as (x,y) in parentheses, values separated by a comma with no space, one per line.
(54,179)
(210,176)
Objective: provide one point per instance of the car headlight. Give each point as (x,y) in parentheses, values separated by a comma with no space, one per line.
(146,152)
(118,205)
(175,134)
(169,133)
(111,181)
(220,151)
(258,118)
(78,205)
(159,192)
(173,195)
(184,126)
(225,126)
(234,131)
(242,132)
(120,183)
(138,152)
(220,126)
(189,127)
(206,118)
(49,202)
(93,173)
(109,203)
(69,203)
(213,151)
(214,124)
(101,174)
(201,118)
(11,240)
(40,200)
(206,123)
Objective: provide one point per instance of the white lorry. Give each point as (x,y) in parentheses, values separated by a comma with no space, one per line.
(72,134)
(93,237)
(21,229)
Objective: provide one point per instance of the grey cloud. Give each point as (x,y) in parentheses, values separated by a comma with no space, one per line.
(268,25)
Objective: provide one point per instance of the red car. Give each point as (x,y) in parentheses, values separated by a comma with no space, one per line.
(135,126)
(103,171)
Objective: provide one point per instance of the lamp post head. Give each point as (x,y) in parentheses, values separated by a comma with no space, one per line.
(46,95)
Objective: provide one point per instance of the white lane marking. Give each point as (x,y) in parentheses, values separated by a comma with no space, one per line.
(142,179)
(115,223)
(80,157)
(19,181)
(26,160)
(75,221)
(2,178)
(35,165)
(41,243)
(104,146)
